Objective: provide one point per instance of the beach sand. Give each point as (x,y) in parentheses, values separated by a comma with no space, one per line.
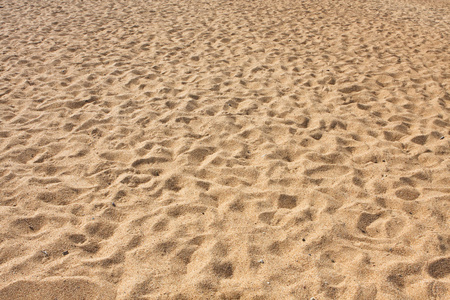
(224,149)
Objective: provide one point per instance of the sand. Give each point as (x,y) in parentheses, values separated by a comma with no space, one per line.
(224,149)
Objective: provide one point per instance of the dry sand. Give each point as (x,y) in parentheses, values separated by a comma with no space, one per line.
(224,149)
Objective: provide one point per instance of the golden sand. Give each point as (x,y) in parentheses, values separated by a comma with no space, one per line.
(224,149)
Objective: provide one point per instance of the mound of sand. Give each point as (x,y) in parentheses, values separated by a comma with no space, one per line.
(224,149)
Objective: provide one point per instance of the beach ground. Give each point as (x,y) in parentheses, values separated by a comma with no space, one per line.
(224,149)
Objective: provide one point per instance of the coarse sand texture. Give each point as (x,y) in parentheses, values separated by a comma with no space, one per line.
(195,149)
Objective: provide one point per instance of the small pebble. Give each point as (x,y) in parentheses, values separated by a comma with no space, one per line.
(441,138)
(113,204)
(65,252)
(45,252)
(261,261)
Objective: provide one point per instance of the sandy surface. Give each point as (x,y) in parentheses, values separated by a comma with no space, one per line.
(224,149)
